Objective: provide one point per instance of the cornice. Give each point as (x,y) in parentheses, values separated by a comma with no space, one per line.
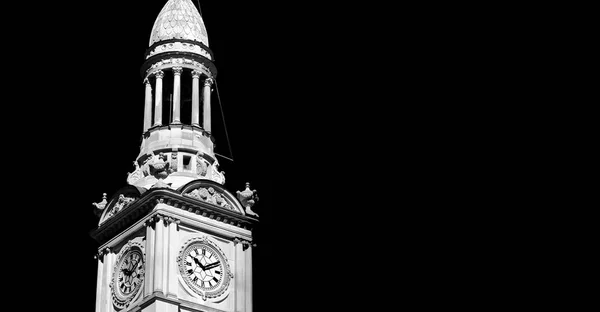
(168,45)
(177,58)
(144,205)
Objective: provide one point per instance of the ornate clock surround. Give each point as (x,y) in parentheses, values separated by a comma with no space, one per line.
(134,249)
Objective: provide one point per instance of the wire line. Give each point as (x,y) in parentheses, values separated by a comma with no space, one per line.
(224,125)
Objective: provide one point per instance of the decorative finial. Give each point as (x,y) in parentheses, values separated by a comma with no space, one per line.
(248,198)
(100,206)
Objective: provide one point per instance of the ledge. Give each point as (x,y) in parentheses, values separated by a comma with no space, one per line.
(144,205)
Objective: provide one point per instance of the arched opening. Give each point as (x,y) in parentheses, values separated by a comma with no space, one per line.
(186,97)
(167,97)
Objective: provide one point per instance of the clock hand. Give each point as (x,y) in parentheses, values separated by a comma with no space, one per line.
(212,265)
(199,264)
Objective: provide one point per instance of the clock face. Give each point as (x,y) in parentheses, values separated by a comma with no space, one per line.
(204,268)
(128,277)
(131,273)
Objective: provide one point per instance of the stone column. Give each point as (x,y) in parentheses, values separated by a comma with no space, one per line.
(207,83)
(150,241)
(248,279)
(109,261)
(159,251)
(239,276)
(172,229)
(177,95)
(195,98)
(148,106)
(99,283)
(158,98)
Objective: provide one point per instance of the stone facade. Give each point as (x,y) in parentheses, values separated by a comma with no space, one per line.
(174,239)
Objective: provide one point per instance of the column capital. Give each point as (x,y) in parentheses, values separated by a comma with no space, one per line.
(208,82)
(177,70)
(159,74)
(196,74)
(146,81)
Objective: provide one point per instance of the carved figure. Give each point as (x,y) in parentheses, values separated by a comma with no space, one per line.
(215,175)
(248,198)
(201,167)
(159,169)
(173,166)
(145,166)
(134,176)
(209,195)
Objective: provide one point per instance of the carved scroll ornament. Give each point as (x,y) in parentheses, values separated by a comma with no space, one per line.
(209,195)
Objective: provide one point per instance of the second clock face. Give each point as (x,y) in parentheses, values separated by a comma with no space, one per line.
(204,268)
(131,273)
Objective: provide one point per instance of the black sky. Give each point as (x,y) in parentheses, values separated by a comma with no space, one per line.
(89,112)
(278,82)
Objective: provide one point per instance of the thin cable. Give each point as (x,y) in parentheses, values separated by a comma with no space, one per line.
(199,10)
(224,125)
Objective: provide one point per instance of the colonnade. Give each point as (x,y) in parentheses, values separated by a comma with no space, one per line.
(158,101)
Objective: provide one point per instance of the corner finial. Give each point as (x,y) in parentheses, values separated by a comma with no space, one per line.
(100,206)
(248,198)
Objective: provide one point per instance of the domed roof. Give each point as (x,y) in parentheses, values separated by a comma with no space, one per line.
(179,19)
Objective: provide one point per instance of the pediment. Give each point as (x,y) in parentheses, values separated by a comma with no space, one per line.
(213,193)
(119,201)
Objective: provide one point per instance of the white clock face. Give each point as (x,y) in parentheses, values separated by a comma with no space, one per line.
(204,268)
(130,273)
(128,276)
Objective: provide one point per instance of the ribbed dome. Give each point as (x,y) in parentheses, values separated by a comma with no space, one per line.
(179,19)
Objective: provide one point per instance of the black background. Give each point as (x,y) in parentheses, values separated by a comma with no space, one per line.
(78,87)
(323,105)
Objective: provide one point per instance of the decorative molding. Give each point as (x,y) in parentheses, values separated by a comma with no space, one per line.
(178,62)
(245,243)
(248,198)
(179,46)
(148,201)
(100,254)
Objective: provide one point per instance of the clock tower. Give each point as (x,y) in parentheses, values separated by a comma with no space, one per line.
(174,238)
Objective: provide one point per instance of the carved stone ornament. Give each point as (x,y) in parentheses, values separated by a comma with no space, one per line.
(100,206)
(128,274)
(248,198)
(159,168)
(121,203)
(173,166)
(215,175)
(201,166)
(204,268)
(209,195)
